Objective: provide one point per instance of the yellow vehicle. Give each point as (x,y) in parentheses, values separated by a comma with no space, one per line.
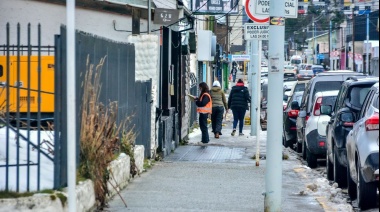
(47,84)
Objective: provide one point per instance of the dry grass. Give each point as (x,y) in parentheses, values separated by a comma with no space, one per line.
(99,133)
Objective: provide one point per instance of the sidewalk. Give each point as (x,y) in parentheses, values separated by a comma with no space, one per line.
(219,177)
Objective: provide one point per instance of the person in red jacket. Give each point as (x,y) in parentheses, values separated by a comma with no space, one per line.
(204,104)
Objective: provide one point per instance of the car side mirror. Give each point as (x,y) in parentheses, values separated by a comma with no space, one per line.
(347,117)
(302,114)
(285,98)
(326,110)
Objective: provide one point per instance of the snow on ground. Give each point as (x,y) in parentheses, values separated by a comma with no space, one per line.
(329,196)
(46,165)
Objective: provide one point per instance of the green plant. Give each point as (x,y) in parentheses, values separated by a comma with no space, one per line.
(127,146)
(63,198)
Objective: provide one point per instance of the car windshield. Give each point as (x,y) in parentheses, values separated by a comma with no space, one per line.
(298,98)
(318,70)
(326,86)
(300,87)
(296,62)
(358,95)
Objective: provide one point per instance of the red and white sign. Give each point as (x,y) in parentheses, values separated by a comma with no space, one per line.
(250,10)
(335,55)
(358,58)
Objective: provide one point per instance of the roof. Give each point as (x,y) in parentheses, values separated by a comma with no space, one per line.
(361,81)
(340,72)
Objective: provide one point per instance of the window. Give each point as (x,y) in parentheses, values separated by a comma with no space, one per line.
(329,100)
(325,86)
(357,96)
(300,87)
(367,103)
(1,71)
(376,101)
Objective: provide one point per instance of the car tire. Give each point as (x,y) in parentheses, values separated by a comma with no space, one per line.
(311,159)
(351,186)
(329,168)
(340,176)
(304,150)
(366,192)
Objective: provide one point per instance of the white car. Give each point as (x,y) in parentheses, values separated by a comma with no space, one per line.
(363,153)
(315,131)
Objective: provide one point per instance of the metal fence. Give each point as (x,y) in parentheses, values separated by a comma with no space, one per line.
(118,84)
(26,143)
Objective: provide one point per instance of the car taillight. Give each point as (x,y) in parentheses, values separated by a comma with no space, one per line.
(321,144)
(317,107)
(293,113)
(372,123)
(348,124)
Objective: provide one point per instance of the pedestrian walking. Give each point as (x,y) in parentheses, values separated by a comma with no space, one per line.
(238,103)
(204,103)
(219,103)
(234,72)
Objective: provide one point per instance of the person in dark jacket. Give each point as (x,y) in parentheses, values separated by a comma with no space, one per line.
(204,103)
(238,103)
(219,103)
(234,73)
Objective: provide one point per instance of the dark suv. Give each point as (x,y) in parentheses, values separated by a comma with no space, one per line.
(346,110)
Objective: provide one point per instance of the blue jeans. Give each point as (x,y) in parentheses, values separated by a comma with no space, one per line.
(239,114)
(234,77)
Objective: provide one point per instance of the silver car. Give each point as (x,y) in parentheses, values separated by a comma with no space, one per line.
(363,153)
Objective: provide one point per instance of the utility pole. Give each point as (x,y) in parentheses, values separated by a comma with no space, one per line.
(254,68)
(353,36)
(71,102)
(273,175)
(366,71)
(149,14)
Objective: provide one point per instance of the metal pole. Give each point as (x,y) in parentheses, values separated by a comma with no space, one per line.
(149,14)
(366,71)
(315,44)
(353,39)
(71,100)
(258,83)
(254,67)
(273,175)
(330,45)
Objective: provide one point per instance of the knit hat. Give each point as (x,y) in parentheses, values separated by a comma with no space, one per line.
(216,84)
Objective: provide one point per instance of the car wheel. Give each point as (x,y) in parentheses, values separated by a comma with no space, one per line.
(366,192)
(339,171)
(304,150)
(351,186)
(311,159)
(329,168)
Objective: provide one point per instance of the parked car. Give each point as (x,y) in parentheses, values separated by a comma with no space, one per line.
(289,68)
(317,69)
(289,137)
(327,81)
(315,131)
(363,153)
(305,74)
(347,107)
(289,77)
(299,86)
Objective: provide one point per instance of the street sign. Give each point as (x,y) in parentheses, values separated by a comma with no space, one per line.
(262,8)
(256,32)
(250,6)
(241,58)
(320,56)
(165,16)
